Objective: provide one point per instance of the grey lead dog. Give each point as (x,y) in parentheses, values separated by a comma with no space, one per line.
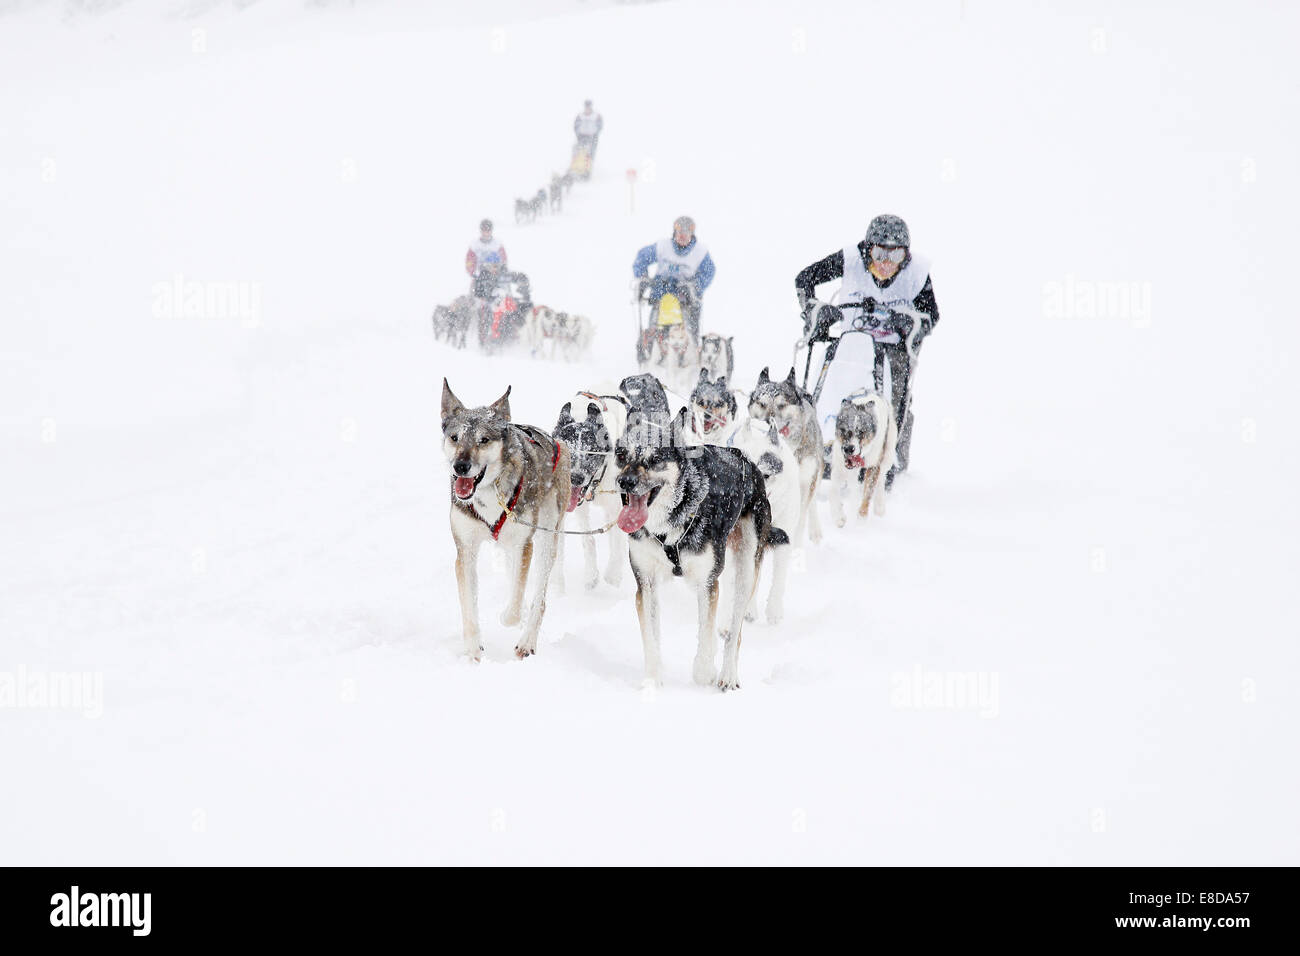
(510,484)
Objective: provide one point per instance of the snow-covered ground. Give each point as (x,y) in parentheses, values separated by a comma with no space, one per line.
(238,525)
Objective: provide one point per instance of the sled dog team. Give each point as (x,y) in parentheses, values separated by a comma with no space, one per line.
(687,495)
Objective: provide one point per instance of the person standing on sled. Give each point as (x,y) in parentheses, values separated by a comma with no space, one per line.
(900,311)
(586,127)
(485,261)
(683,267)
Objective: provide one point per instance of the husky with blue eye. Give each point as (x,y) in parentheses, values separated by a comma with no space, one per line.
(688,511)
(791,410)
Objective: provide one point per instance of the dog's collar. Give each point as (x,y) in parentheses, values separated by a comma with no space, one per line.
(509,507)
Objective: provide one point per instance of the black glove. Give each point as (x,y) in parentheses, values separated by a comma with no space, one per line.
(869,305)
(899,322)
(826,316)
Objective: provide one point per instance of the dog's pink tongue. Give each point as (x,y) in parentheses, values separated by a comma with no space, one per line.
(464,487)
(634,514)
(575,498)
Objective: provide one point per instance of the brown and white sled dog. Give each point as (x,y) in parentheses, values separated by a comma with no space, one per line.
(791,409)
(689,511)
(590,439)
(506,478)
(865,438)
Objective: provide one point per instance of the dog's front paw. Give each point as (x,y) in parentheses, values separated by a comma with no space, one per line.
(704,673)
(815,535)
(525,649)
(750,616)
(728,682)
(840,521)
(593,583)
(614,580)
(475,654)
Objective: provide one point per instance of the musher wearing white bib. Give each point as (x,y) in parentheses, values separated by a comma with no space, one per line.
(587,126)
(683,266)
(881,271)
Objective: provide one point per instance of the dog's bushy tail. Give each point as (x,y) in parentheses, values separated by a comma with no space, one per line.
(776,536)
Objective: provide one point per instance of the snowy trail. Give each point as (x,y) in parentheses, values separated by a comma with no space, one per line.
(243,528)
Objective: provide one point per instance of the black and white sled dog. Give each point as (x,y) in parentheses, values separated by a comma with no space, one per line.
(556,193)
(791,409)
(865,438)
(508,481)
(645,394)
(713,407)
(590,439)
(684,508)
(717,355)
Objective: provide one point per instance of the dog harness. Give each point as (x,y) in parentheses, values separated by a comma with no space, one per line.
(670,550)
(495,529)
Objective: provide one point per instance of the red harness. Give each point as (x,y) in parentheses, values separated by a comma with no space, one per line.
(514,499)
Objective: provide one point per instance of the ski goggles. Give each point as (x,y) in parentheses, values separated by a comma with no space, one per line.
(893,254)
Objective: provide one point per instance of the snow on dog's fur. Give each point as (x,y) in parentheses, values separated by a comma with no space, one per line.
(791,409)
(590,438)
(508,481)
(713,407)
(688,511)
(863,448)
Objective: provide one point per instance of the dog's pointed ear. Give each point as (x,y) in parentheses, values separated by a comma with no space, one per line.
(722,380)
(730,339)
(593,412)
(845,401)
(704,377)
(501,407)
(450,403)
(566,414)
(790,378)
(762,376)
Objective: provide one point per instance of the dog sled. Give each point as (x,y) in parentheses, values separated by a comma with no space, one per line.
(856,336)
(580,164)
(664,339)
(503,308)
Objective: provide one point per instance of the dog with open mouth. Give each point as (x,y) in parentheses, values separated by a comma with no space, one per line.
(510,484)
(688,511)
(713,409)
(590,438)
(792,411)
(866,436)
